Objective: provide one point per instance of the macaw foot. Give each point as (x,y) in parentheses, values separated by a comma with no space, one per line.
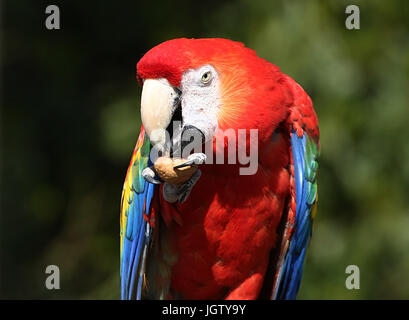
(176,192)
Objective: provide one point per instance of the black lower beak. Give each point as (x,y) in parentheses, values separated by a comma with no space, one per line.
(192,137)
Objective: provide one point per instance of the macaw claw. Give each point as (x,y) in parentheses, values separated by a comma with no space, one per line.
(195,158)
(149,175)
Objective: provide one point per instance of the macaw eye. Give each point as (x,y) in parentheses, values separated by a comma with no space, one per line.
(206,77)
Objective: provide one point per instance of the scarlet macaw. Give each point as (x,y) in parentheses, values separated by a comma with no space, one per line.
(224,235)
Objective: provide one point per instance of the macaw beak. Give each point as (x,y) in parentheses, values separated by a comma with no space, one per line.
(158,103)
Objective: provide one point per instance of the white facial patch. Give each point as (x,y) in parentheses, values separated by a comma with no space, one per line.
(200,99)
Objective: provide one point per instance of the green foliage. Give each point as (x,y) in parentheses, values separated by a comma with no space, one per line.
(70,120)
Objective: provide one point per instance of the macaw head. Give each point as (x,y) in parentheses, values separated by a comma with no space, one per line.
(209,84)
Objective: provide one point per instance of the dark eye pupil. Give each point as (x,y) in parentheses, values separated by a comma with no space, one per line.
(206,77)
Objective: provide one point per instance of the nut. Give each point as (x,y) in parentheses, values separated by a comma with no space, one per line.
(164,166)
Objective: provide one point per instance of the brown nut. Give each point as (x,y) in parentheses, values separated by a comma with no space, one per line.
(164,167)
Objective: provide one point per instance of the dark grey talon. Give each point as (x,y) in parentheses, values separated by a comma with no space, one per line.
(149,175)
(185,164)
(195,158)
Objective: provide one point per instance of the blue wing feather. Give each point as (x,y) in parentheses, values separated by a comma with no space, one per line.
(305,154)
(135,230)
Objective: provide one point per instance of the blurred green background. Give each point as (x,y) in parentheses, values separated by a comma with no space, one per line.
(70,119)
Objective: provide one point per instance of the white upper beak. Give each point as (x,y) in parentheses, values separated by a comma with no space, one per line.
(158,103)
